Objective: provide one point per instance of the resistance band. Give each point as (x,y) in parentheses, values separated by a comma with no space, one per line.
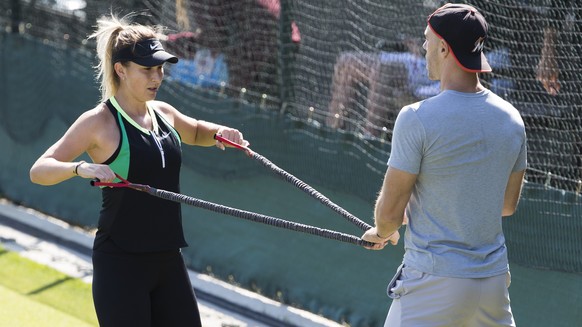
(248,215)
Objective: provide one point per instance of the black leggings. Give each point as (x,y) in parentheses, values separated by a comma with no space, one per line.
(143,289)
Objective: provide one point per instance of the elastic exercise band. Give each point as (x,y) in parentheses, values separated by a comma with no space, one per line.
(299,184)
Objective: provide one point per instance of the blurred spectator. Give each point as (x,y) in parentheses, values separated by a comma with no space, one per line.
(274,7)
(246,32)
(197,66)
(393,77)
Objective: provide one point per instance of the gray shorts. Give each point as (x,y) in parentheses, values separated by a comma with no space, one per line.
(423,300)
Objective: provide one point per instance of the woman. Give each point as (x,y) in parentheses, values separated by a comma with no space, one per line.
(140,278)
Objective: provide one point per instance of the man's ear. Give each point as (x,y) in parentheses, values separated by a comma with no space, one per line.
(444,48)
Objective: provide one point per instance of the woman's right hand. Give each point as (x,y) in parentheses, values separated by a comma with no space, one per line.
(99,171)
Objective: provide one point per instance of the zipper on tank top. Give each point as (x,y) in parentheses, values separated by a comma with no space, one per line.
(159,144)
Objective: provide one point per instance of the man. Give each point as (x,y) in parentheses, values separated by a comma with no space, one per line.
(456,167)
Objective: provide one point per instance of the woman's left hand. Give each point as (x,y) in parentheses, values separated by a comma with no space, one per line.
(232,135)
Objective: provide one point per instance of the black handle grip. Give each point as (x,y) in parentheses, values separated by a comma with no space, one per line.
(93,181)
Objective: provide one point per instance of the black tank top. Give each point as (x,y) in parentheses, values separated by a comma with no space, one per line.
(133,220)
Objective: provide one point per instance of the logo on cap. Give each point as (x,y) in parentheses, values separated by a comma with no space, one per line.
(479,45)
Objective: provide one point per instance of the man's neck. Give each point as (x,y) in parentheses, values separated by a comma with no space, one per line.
(459,80)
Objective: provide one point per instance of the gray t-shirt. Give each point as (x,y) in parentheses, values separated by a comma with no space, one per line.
(463,146)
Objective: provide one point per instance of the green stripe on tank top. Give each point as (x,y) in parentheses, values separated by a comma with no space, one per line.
(121,163)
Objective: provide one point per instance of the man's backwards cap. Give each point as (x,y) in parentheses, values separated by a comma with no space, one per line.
(465,30)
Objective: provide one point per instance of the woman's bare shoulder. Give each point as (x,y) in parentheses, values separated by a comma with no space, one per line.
(99,114)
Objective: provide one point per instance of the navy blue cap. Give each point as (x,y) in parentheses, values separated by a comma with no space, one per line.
(148,53)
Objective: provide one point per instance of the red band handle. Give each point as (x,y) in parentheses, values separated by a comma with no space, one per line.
(219,138)
(124,182)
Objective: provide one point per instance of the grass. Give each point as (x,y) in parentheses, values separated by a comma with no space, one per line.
(32,294)
(19,310)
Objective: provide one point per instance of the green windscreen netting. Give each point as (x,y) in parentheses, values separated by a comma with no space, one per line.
(316,87)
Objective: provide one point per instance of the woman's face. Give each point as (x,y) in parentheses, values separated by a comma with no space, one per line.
(142,82)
